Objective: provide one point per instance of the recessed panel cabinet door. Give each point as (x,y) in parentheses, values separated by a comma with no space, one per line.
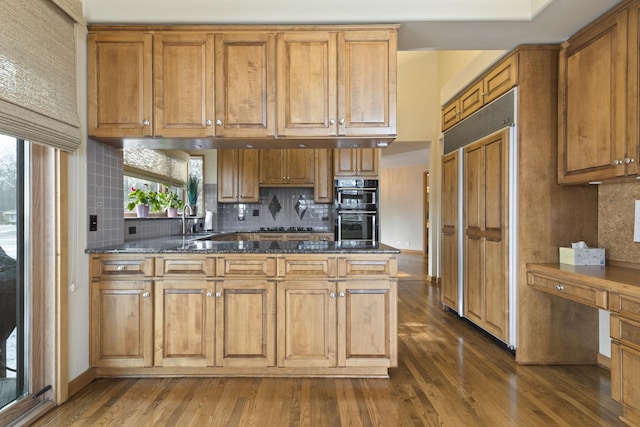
(245,84)
(366,318)
(246,323)
(121,323)
(120,84)
(592,97)
(486,294)
(450,169)
(183,73)
(306,88)
(367,83)
(185,323)
(307,324)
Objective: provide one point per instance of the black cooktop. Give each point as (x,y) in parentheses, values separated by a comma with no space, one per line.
(289,229)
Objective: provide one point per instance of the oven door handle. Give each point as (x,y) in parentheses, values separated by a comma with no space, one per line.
(345,211)
(356,188)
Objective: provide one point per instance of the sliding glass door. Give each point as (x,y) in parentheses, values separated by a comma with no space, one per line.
(13,375)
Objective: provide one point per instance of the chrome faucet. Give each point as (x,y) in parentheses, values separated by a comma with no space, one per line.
(184,220)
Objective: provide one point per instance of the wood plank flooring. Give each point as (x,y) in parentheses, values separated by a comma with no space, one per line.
(449,374)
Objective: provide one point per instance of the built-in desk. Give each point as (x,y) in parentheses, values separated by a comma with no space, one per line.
(612,288)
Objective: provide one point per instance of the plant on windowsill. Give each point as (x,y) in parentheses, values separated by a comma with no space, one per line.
(143,200)
(193,190)
(171,202)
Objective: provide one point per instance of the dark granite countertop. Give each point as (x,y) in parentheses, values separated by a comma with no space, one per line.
(200,243)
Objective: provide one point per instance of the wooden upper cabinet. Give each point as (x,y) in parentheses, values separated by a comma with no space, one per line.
(500,79)
(592,102)
(183,84)
(332,84)
(238,176)
(293,166)
(323,180)
(245,84)
(367,83)
(306,85)
(119,84)
(356,162)
(632,154)
(495,82)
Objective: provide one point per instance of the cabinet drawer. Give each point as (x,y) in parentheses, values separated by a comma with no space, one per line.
(245,266)
(625,331)
(313,267)
(594,297)
(109,266)
(625,305)
(185,265)
(361,266)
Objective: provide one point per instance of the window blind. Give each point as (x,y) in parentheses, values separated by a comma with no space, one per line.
(166,167)
(38,97)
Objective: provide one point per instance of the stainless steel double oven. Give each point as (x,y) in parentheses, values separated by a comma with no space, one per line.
(356,205)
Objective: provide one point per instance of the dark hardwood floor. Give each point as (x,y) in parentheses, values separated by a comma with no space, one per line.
(449,374)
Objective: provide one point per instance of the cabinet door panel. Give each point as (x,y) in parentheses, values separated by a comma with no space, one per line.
(183,72)
(323,179)
(633,92)
(120,84)
(593,104)
(246,323)
(625,384)
(228,175)
(248,189)
(474,280)
(245,84)
(495,292)
(367,163)
(493,187)
(366,89)
(307,324)
(300,166)
(366,317)
(272,166)
(450,114)
(471,101)
(121,324)
(306,88)
(185,323)
(450,167)
(502,78)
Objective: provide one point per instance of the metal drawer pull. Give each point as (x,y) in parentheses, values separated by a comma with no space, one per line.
(218,294)
(341,294)
(332,295)
(145,295)
(120,268)
(560,287)
(209,294)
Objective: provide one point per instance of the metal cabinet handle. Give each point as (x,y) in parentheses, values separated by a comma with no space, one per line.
(332,122)
(617,162)
(209,294)
(332,295)
(120,268)
(208,122)
(560,287)
(218,294)
(629,160)
(341,294)
(218,122)
(145,122)
(341,121)
(145,294)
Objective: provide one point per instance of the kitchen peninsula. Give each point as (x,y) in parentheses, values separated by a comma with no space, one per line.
(200,306)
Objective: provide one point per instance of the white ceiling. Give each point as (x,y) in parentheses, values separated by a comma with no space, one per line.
(425,24)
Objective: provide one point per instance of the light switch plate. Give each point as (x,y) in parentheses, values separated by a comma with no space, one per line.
(636,223)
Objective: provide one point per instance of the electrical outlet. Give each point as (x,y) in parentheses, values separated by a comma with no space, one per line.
(93,222)
(132,230)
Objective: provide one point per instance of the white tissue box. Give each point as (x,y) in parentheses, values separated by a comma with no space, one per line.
(591,256)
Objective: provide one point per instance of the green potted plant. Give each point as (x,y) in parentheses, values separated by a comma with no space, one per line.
(171,202)
(143,200)
(193,190)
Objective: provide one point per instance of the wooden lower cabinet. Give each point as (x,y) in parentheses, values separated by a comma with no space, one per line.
(184,322)
(367,321)
(121,323)
(246,323)
(287,315)
(307,324)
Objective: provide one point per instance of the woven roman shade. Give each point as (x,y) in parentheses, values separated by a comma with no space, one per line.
(38,97)
(166,167)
